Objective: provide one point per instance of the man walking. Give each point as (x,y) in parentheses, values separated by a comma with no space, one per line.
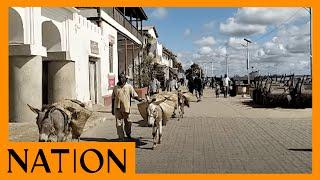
(121,104)
(154,86)
(172,85)
(191,84)
(198,87)
(226,81)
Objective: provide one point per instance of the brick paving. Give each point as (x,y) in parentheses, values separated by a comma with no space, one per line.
(216,136)
(222,136)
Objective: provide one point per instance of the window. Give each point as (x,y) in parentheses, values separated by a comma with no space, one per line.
(110,58)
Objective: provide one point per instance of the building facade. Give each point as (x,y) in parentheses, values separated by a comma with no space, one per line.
(60,53)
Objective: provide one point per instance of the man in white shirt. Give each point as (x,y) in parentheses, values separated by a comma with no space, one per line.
(121,104)
(226,81)
(154,86)
(172,84)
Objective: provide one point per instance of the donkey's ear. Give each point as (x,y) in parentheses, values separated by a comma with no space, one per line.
(35,110)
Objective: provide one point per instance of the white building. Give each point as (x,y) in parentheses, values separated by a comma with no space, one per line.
(128,41)
(56,53)
(168,57)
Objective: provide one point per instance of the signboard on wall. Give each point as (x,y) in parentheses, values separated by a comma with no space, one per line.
(111,80)
(94,47)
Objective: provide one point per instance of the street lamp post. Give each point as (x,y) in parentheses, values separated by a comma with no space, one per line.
(248,63)
(212,68)
(227,68)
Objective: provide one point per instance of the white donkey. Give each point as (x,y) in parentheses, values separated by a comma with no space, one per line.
(155,120)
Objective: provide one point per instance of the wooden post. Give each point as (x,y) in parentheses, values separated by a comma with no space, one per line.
(137,26)
(124,17)
(126,57)
(141,26)
(131,22)
(132,54)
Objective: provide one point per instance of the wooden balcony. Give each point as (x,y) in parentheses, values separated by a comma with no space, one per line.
(126,22)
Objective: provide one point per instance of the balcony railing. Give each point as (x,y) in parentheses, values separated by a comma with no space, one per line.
(123,21)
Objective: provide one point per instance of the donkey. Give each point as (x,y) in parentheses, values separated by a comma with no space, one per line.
(53,124)
(155,120)
(56,121)
(182,101)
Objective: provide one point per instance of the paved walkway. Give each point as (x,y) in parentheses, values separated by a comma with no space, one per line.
(222,136)
(28,132)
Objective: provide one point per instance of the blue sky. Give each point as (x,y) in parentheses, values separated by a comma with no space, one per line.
(172,27)
(280,35)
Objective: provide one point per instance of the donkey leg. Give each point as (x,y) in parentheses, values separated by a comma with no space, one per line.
(182,111)
(154,134)
(179,114)
(160,132)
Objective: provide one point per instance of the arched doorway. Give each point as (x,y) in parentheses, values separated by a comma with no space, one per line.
(51,38)
(58,81)
(15,27)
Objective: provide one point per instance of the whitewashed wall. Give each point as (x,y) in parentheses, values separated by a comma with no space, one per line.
(82,32)
(152,33)
(105,71)
(75,32)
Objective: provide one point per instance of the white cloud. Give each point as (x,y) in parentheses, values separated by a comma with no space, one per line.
(231,27)
(235,42)
(273,48)
(205,41)
(296,39)
(159,13)
(205,50)
(266,16)
(249,21)
(187,32)
(287,51)
(298,44)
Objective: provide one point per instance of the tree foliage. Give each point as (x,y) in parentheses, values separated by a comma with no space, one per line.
(144,70)
(194,70)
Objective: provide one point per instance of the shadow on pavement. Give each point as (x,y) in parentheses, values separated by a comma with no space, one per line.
(254,105)
(138,141)
(306,150)
(99,139)
(104,111)
(141,123)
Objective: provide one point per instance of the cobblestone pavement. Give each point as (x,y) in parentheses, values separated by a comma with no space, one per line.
(222,136)
(28,132)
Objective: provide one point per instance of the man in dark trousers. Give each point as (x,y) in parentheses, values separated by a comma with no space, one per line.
(198,87)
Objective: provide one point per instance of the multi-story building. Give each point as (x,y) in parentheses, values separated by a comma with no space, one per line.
(126,39)
(75,53)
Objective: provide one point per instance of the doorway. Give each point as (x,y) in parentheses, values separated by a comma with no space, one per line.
(93,80)
(45,79)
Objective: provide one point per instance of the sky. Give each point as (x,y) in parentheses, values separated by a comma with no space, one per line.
(208,36)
